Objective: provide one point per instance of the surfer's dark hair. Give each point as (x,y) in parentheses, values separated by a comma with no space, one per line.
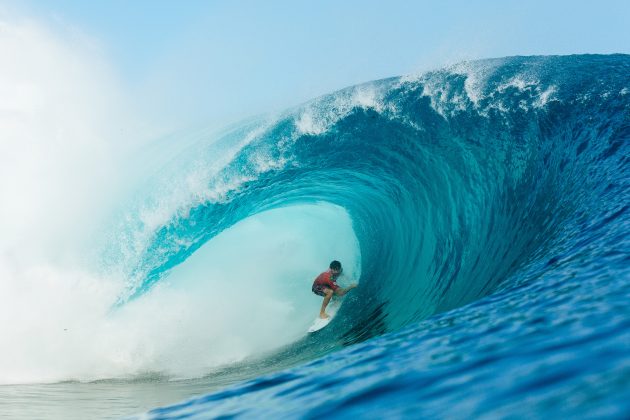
(335,265)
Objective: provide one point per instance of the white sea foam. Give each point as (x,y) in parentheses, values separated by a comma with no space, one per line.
(61,115)
(318,116)
(447,99)
(545,96)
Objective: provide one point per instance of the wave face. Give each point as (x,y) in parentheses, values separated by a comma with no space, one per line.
(489,204)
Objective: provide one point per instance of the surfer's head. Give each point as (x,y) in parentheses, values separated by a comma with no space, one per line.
(335,267)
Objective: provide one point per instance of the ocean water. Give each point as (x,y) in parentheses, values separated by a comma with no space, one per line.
(482,208)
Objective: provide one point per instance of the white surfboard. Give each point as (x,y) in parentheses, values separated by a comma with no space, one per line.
(331,310)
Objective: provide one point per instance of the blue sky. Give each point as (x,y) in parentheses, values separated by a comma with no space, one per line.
(215,62)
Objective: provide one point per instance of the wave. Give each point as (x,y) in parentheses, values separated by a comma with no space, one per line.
(457,183)
(433,190)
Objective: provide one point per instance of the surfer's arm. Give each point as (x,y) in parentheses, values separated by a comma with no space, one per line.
(340,291)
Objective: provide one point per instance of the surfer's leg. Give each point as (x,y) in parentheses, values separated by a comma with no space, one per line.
(328,294)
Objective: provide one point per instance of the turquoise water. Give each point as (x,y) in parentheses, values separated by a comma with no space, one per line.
(483,209)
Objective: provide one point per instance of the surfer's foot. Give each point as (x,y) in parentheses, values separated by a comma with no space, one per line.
(324,315)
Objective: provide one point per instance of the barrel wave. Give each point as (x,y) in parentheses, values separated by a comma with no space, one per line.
(474,193)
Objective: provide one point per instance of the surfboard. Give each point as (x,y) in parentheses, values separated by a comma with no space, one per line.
(331,310)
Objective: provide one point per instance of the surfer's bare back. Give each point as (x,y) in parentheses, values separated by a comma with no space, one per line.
(325,285)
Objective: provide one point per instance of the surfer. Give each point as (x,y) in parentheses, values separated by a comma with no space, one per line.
(325,285)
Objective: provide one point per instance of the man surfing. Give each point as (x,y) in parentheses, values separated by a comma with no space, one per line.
(326,285)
